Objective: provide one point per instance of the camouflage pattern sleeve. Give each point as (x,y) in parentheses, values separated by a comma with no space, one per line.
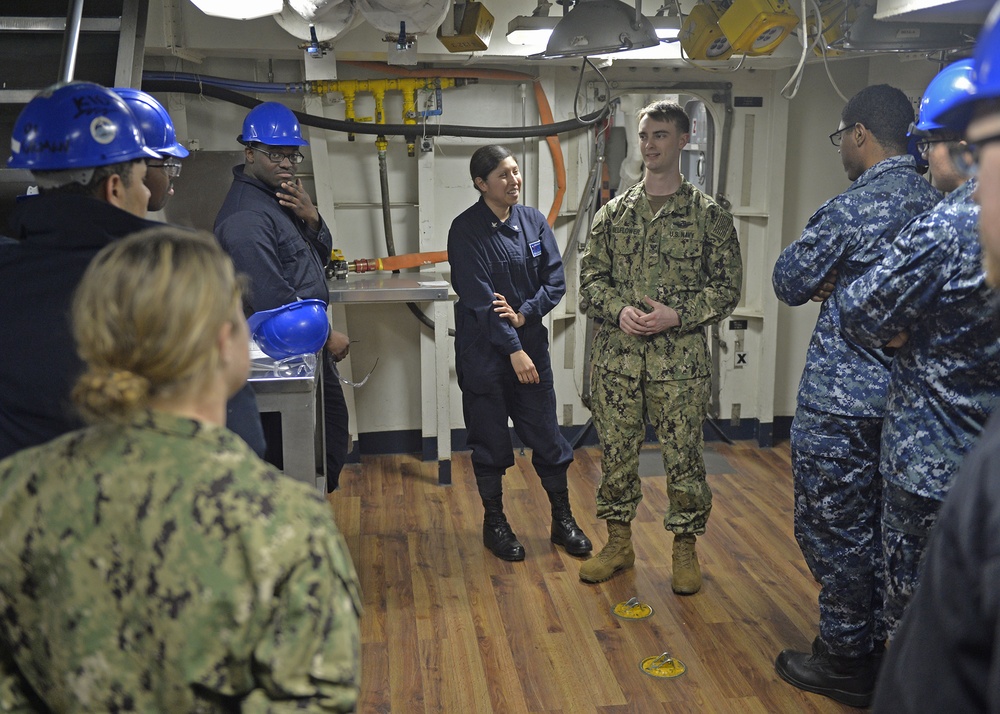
(596,282)
(309,657)
(802,266)
(723,267)
(892,295)
(13,698)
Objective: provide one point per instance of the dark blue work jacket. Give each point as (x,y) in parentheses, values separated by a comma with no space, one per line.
(57,237)
(283,258)
(520,260)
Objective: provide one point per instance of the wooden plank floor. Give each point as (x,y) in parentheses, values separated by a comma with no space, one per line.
(449,628)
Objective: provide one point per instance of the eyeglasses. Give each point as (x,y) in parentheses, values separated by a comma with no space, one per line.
(966,156)
(837,136)
(925,145)
(277,157)
(171,168)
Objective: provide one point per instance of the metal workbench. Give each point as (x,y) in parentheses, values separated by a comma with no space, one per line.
(414,287)
(294,389)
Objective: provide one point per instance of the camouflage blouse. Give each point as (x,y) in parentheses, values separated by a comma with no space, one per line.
(161,566)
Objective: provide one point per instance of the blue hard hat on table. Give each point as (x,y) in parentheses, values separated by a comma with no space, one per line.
(956,114)
(298,328)
(76,125)
(154,121)
(273,124)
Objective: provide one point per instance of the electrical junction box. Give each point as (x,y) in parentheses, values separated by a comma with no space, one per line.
(474,29)
(757,27)
(701,37)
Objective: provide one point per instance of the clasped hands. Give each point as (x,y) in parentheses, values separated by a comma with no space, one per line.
(637,323)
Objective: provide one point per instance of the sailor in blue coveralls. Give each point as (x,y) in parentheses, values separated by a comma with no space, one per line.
(508,274)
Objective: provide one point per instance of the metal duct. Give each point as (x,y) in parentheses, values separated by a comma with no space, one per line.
(420,16)
(330,19)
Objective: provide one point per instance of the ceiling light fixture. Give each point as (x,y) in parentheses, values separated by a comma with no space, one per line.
(239,9)
(866,34)
(531,30)
(599,27)
(667,30)
(535,32)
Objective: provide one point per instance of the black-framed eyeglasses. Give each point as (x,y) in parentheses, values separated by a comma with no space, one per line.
(171,167)
(925,144)
(277,157)
(838,136)
(966,156)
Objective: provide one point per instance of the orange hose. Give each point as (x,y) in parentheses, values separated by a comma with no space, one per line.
(544,111)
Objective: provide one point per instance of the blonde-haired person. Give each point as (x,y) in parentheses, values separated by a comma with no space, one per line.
(152,561)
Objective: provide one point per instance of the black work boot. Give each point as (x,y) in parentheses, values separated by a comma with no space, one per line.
(565,531)
(849,680)
(497,535)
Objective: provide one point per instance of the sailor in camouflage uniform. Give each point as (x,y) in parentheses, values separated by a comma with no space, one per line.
(152,562)
(945,655)
(930,290)
(663,262)
(841,399)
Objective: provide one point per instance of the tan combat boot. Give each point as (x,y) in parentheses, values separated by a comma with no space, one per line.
(616,555)
(687,573)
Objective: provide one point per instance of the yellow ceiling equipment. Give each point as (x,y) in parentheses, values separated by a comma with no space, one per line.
(757,27)
(836,15)
(701,37)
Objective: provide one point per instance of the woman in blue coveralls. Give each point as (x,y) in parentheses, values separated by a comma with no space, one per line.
(507,271)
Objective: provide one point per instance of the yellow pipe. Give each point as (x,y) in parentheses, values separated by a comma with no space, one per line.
(378,87)
(409,86)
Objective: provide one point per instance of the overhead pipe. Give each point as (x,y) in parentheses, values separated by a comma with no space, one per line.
(71,41)
(204,88)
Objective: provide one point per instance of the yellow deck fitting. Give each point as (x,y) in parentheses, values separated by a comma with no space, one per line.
(663,666)
(632,609)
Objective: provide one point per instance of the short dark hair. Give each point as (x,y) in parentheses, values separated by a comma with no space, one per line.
(668,112)
(884,111)
(485,159)
(101,174)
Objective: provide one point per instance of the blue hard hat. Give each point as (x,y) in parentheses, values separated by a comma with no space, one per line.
(297,328)
(951,84)
(157,128)
(273,124)
(986,77)
(76,125)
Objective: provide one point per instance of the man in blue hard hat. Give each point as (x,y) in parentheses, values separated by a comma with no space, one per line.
(242,414)
(87,151)
(946,653)
(276,236)
(87,154)
(928,297)
(158,131)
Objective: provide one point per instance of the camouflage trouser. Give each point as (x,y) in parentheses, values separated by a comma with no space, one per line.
(907,520)
(676,409)
(838,510)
